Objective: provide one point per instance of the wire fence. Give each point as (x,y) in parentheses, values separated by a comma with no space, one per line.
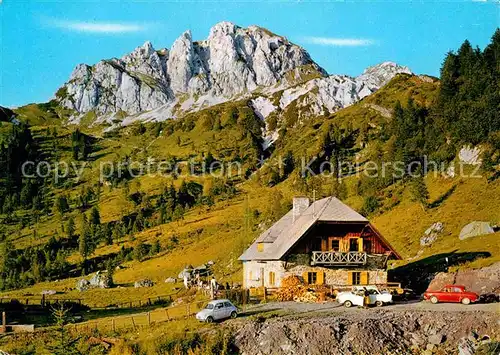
(138,320)
(46,301)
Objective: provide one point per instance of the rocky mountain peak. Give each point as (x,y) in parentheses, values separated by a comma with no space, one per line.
(380,74)
(232,63)
(222,29)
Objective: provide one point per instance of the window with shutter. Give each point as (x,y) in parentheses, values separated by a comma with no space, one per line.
(320,278)
(272,278)
(260,247)
(360,244)
(355,278)
(364,278)
(312,278)
(305,276)
(324,245)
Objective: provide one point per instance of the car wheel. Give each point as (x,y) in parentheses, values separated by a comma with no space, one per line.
(379,303)
(347,304)
(234,314)
(465,301)
(210,319)
(434,299)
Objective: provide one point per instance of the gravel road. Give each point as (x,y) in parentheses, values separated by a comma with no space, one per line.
(297,307)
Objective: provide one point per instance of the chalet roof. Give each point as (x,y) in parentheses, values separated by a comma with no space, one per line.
(283,235)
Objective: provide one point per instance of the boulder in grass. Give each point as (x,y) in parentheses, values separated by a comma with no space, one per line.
(475,229)
(83,285)
(101,280)
(49,292)
(143,283)
(470,155)
(431,234)
(171,280)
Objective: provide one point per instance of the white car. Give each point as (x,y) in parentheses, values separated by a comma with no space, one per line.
(217,310)
(356,296)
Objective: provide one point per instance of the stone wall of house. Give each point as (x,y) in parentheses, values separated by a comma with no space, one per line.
(338,276)
(254,270)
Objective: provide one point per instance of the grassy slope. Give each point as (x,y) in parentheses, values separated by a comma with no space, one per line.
(304,139)
(217,233)
(472,200)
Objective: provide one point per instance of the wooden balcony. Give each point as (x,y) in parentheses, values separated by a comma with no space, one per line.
(338,258)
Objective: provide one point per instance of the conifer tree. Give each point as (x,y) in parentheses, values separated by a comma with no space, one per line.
(70,228)
(95,217)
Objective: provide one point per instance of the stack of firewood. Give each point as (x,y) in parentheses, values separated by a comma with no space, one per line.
(291,288)
(308,296)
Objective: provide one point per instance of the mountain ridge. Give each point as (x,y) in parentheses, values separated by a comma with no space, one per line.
(232,63)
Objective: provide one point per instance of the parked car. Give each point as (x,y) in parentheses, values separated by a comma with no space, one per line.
(356,296)
(217,310)
(451,293)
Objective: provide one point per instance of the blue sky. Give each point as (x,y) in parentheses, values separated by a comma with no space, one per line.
(42,41)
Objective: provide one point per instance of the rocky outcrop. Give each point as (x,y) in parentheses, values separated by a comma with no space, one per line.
(232,63)
(384,332)
(144,283)
(99,280)
(482,281)
(470,155)
(475,229)
(431,234)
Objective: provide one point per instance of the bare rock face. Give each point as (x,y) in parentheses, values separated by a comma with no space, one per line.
(385,332)
(232,63)
(334,92)
(483,281)
(470,155)
(431,234)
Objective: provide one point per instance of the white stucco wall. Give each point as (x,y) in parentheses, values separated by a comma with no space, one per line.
(253,271)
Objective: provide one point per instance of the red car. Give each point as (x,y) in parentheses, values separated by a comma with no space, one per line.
(451,293)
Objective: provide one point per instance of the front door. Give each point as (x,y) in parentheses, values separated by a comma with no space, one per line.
(262,276)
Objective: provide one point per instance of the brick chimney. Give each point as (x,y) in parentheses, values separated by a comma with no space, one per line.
(300,204)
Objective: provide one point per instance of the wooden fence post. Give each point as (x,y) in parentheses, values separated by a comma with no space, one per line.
(166,313)
(149,318)
(113,325)
(4,322)
(133,322)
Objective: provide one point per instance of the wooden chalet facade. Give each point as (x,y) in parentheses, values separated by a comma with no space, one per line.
(324,243)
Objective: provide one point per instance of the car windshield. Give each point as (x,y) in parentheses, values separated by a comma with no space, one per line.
(209,306)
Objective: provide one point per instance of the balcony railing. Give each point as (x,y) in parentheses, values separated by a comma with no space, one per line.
(338,258)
